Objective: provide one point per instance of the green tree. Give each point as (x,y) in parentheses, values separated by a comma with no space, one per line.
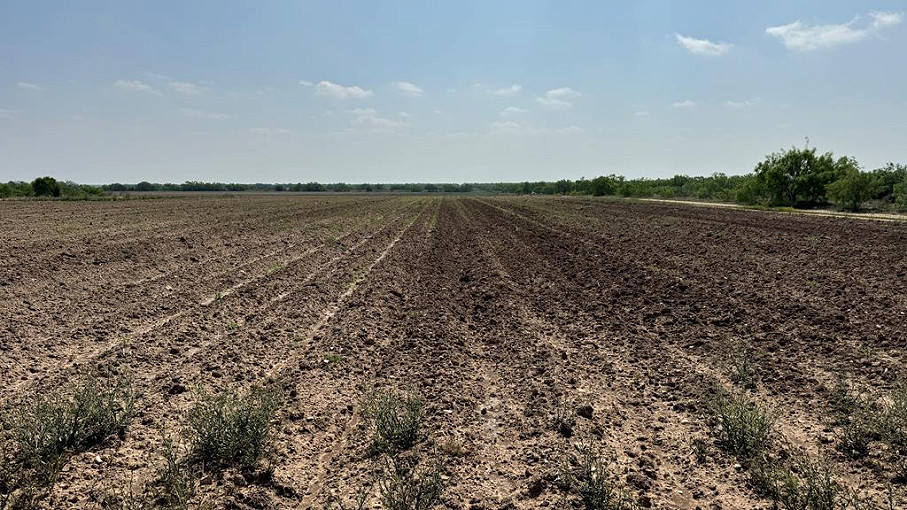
(45,187)
(852,189)
(799,175)
(900,194)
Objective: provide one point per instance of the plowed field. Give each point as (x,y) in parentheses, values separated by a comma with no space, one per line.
(502,313)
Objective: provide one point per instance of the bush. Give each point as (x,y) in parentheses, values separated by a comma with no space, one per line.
(396,418)
(232,429)
(743,428)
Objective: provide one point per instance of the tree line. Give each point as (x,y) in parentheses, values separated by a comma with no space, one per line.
(797,177)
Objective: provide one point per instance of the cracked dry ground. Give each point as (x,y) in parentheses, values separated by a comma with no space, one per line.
(493,309)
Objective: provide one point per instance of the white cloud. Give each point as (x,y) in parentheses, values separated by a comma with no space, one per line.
(509,127)
(270,131)
(508,91)
(306,83)
(371,121)
(363,111)
(326,88)
(512,110)
(641,113)
(136,86)
(404,115)
(157,76)
(28,86)
(885,19)
(189,89)
(557,98)
(201,114)
(801,37)
(684,104)
(703,46)
(408,88)
(746,103)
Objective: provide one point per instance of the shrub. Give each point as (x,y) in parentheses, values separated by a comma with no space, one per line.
(232,429)
(743,428)
(396,418)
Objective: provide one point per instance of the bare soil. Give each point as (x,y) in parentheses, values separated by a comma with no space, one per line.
(491,308)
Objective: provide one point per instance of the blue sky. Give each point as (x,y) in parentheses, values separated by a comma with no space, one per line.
(370,91)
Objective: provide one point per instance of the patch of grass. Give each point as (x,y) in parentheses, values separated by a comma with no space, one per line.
(406,483)
(232,429)
(396,418)
(586,474)
(743,427)
(42,434)
(332,357)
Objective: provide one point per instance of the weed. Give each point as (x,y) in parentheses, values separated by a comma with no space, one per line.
(396,418)
(744,373)
(590,480)
(854,439)
(175,483)
(700,448)
(233,326)
(232,429)
(333,358)
(46,431)
(564,418)
(743,428)
(806,485)
(405,483)
(359,503)
(219,296)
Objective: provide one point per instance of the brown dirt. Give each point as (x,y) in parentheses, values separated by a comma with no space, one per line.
(491,308)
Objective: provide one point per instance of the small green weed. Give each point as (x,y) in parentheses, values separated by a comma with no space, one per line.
(406,483)
(396,418)
(743,427)
(232,429)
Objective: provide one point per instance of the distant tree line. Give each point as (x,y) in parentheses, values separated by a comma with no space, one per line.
(48,187)
(795,177)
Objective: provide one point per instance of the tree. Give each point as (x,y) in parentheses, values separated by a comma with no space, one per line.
(799,175)
(851,190)
(45,187)
(900,194)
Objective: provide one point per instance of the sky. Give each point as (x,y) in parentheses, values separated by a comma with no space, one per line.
(431,91)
